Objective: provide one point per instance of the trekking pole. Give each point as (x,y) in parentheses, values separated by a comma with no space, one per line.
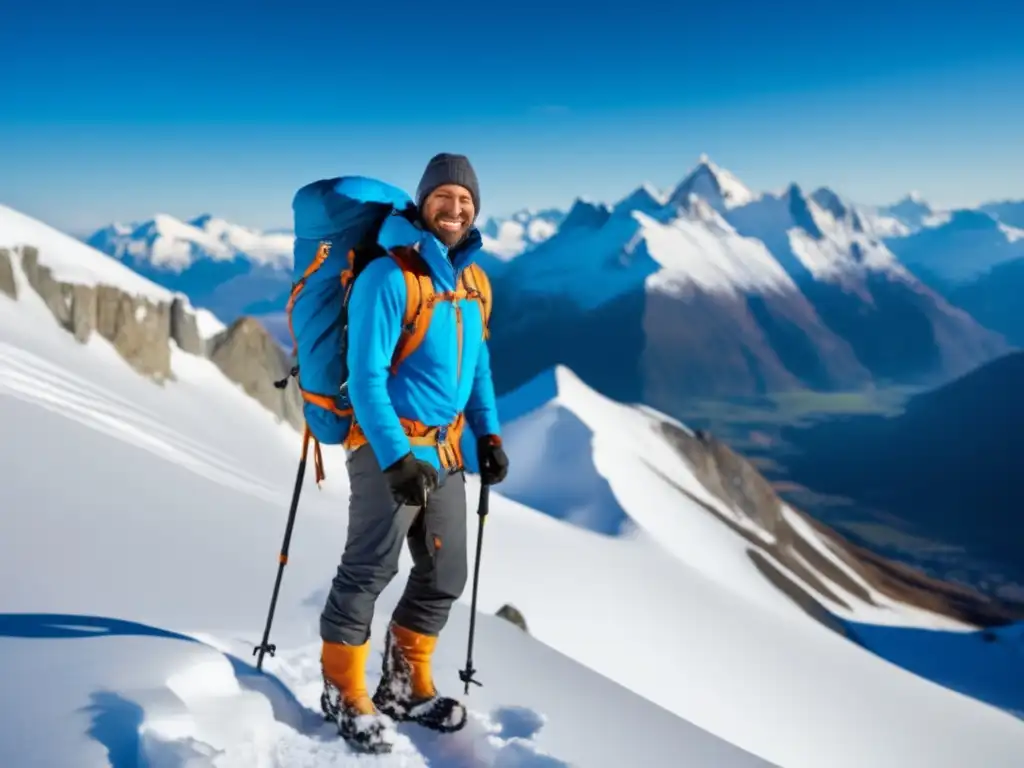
(264,646)
(466,675)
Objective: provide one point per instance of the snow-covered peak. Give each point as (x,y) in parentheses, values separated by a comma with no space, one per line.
(831,202)
(168,243)
(72,261)
(715,184)
(646,198)
(506,238)
(698,209)
(912,210)
(586,214)
(809,239)
(597,257)
(702,249)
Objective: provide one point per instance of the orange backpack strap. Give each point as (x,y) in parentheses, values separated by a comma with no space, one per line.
(322,252)
(419,304)
(478,286)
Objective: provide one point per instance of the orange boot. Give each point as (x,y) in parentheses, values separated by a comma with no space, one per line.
(406,690)
(346,701)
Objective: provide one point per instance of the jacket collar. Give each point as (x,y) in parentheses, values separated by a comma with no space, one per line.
(399,230)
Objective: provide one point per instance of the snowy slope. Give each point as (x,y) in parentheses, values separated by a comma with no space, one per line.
(161,540)
(700,248)
(614,469)
(169,513)
(70,260)
(812,241)
(598,256)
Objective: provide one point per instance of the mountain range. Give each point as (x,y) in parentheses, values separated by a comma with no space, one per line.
(709,289)
(713,290)
(747,625)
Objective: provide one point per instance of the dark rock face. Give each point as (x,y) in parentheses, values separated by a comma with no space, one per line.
(137,328)
(734,480)
(142,331)
(512,614)
(7,284)
(185,329)
(248,355)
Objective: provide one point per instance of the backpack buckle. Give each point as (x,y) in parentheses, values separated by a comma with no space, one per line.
(442,434)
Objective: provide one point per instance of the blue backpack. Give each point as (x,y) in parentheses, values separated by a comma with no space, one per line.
(338,224)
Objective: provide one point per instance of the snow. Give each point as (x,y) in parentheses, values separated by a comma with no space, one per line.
(807,238)
(72,261)
(172,244)
(963,248)
(1012,233)
(159,543)
(170,512)
(507,238)
(885,611)
(717,185)
(596,257)
(208,324)
(707,252)
(600,465)
(510,242)
(539,230)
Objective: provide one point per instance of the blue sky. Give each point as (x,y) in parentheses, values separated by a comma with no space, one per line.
(228,108)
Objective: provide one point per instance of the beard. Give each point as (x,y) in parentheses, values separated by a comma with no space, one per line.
(449,237)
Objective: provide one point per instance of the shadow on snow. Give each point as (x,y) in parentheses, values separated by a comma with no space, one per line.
(116,720)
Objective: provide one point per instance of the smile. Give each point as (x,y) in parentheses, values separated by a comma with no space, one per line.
(452,225)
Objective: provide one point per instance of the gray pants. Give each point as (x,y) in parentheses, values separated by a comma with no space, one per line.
(437,542)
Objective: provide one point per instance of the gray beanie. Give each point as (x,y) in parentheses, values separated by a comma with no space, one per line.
(447,168)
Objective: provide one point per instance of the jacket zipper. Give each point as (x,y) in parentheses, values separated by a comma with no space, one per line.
(459,334)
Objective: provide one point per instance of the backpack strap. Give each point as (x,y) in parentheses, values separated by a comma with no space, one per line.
(419,304)
(478,287)
(322,252)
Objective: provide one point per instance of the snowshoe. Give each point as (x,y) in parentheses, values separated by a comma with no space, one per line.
(406,691)
(345,701)
(363,729)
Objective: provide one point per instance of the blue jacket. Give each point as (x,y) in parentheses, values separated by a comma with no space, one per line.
(433,385)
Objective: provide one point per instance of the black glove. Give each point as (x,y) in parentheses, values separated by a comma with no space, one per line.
(411,480)
(493,461)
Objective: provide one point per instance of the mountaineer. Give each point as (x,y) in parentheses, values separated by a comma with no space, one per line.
(408,415)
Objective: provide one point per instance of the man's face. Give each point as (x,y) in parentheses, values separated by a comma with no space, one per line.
(448,212)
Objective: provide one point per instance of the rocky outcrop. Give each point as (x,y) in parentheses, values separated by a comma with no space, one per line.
(735,481)
(185,329)
(7,284)
(512,614)
(139,329)
(248,355)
